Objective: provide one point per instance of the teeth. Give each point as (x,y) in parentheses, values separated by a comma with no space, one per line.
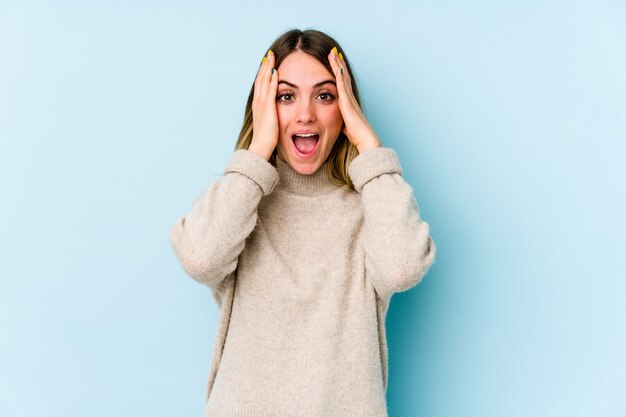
(305,135)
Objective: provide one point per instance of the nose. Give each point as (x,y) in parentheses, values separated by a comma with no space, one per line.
(305,112)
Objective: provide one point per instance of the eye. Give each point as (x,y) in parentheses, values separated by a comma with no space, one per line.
(282,97)
(329,96)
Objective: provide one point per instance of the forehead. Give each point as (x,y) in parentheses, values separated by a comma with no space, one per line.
(302,69)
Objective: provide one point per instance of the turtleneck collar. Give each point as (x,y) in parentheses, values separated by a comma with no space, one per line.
(306,185)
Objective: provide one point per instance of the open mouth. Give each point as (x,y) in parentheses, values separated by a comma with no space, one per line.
(305,144)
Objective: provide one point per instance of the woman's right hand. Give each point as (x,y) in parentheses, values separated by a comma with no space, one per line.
(264,115)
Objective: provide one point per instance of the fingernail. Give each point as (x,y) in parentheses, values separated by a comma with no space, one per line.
(341,56)
(270,52)
(272,70)
(263,61)
(335,50)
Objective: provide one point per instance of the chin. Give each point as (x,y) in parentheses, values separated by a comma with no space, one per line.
(304,166)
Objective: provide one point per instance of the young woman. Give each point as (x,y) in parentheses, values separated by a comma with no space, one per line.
(302,242)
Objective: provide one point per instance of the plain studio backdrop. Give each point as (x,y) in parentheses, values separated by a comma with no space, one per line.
(509,119)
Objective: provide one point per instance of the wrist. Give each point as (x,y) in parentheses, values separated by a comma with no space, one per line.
(362,147)
(259,151)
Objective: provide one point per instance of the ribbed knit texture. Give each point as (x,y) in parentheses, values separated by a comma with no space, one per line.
(303,272)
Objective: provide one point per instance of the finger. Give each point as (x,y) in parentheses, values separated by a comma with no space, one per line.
(274,75)
(269,64)
(273,88)
(334,64)
(340,75)
(267,73)
(258,77)
(262,74)
(345,79)
(343,71)
(339,67)
(262,66)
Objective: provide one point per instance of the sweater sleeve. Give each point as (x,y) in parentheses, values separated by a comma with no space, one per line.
(398,248)
(209,239)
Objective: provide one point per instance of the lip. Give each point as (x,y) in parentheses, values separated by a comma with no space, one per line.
(304,132)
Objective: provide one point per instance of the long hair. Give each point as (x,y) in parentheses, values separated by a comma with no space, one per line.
(318,45)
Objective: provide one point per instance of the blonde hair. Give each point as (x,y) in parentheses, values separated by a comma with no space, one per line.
(318,45)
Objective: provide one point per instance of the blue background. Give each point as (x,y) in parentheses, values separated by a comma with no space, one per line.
(509,119)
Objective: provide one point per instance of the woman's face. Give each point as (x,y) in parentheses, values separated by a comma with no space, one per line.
(306,103)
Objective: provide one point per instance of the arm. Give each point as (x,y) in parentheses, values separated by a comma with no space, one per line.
(208,241)
(398,248)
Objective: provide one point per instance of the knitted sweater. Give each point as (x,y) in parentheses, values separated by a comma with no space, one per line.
(303,272)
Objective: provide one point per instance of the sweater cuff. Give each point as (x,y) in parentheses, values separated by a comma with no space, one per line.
(372,163)
(255,167)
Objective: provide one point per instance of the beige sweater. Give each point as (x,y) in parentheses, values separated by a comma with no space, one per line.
(303,272)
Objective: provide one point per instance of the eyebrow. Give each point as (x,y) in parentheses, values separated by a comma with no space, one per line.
(315,86)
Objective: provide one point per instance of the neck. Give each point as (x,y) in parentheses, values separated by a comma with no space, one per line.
(307,185)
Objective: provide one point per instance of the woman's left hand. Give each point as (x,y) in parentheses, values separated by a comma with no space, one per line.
(355,124)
